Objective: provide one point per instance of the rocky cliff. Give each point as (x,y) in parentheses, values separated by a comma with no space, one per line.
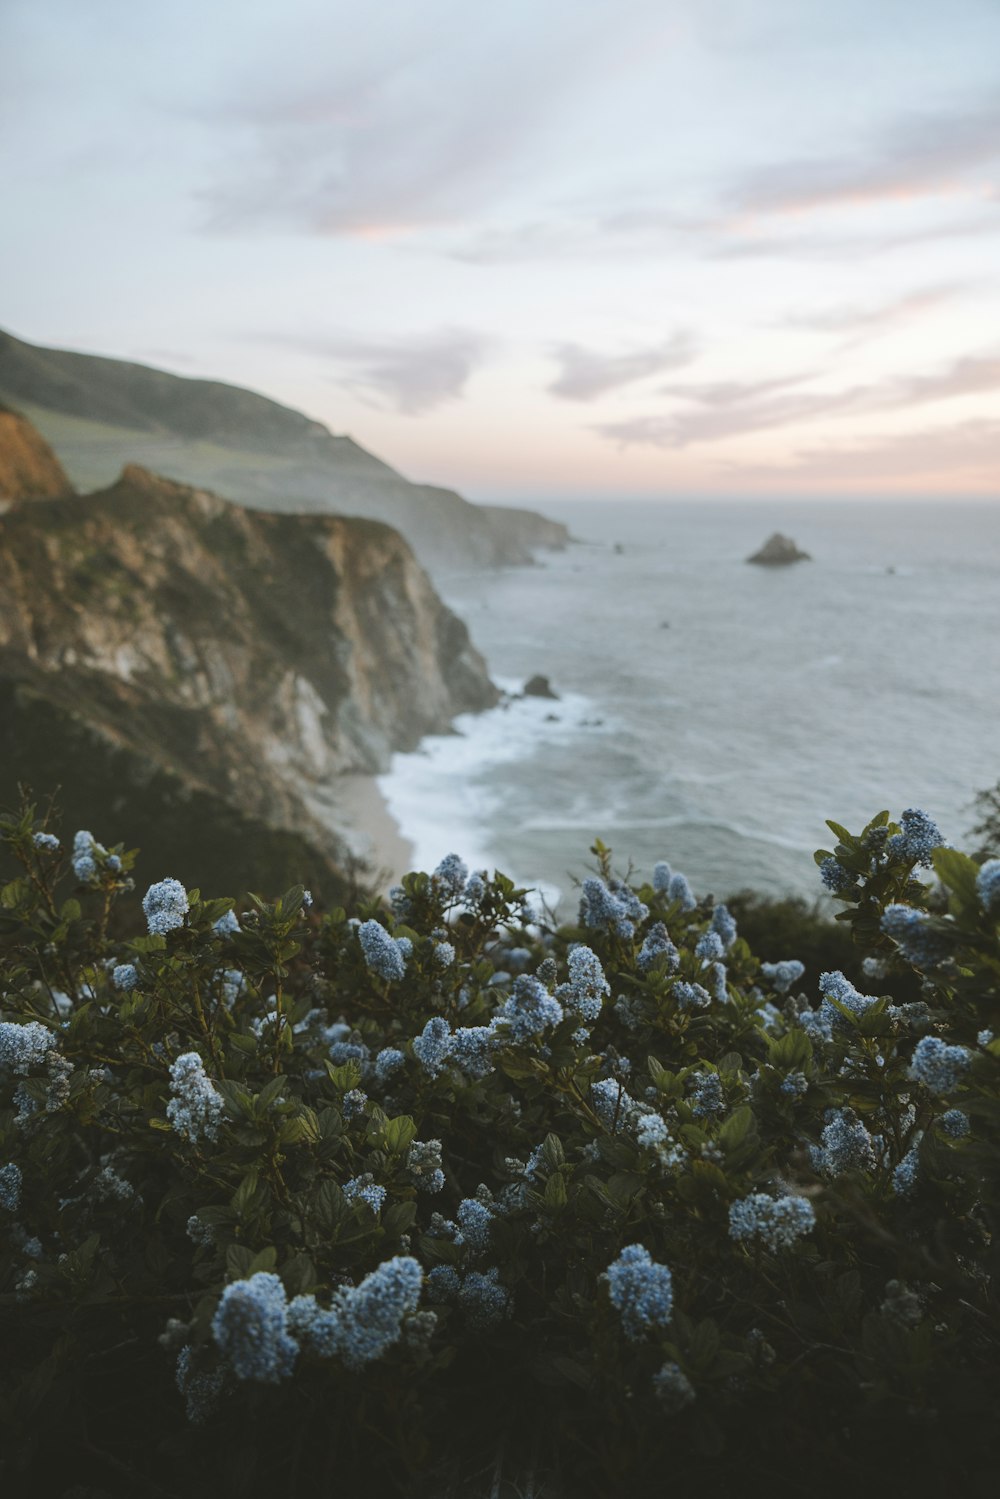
(28,467)
(100,413)
(219,669)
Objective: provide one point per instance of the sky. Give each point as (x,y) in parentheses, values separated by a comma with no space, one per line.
(563,248)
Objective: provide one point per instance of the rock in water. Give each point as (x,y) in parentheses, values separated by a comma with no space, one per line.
(778,551)
(539,687)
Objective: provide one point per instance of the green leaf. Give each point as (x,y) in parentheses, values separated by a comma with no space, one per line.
(958,872)
(555,1191)
(398,1134)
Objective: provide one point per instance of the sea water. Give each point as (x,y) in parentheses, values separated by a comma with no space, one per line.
(714,713)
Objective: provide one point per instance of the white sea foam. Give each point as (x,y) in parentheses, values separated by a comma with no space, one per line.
(444,795)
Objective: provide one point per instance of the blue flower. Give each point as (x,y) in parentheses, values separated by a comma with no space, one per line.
(919,943)
(641,1291)
(125,976)
(483,1299)
(10,1186)
(473,1048)
(84,861)
(165,905)
(587,988)
(691,996)
(846,1144)
(615,907)
(652,1130)
(612,1105)
(227,925)
(354,1103)
(709,946)
(784,974)
(388,1062)
(672,1387)
(955,1124)
(988,886)
(834,986)
(47,842)
(529,1009)
(444,954)
(381,952)
(724,923)
(904,1177)
(423,1166)
(434,1045)
(706,1095)
(657,947)
(661,877)
(250,1327)
(451,876)
(680,891)
(917,840)
(196,1108)
(837,879)
(24,1046)
(443,1283)
(476,1223)
(370,1316)
(776,1221)
(940,1067)
(364,1189)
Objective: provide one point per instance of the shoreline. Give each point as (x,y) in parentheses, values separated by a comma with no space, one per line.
(370,830)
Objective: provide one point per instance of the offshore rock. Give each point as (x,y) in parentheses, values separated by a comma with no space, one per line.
(538,686)
(779,551)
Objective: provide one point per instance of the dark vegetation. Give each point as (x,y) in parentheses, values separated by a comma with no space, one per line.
(204,1118)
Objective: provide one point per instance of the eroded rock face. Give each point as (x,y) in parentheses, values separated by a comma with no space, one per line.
(250,657)
(779,551)
(29,470)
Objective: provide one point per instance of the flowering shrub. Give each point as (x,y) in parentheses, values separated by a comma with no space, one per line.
(337,1201)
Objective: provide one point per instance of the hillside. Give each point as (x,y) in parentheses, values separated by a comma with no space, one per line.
(28,467)
(204,678)
(100,414)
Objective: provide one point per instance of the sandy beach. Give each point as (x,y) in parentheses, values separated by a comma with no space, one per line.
(370,831)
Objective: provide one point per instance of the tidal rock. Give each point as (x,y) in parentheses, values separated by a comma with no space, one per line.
(539,687)
(779,551)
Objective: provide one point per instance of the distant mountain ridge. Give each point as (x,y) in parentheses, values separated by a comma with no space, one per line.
(100,414)
(202,678)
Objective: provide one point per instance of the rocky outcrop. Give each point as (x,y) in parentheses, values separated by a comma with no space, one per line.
(219,657)
(779,551)
(100,414)
(29,470)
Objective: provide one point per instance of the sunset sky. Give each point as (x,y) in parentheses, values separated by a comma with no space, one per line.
(557,248)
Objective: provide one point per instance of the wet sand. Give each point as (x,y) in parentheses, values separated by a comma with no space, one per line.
(370,831)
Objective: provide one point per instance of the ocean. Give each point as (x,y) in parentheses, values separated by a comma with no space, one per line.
(713,713)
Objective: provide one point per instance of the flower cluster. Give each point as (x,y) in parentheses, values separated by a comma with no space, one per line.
(165,905)
(587,988)
(250,1326)
(196,1109)
(776,1221)
(781,976)
(383,954)
(641,1291)
(940,1067)
(917,840)
(24,1046)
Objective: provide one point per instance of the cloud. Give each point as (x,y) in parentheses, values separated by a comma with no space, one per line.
(587,373)
(734,409)
(411,376)
(421,120)
(866,322)
(966,453)
(919,155)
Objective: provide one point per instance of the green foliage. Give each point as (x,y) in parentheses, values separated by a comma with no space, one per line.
(643,1124)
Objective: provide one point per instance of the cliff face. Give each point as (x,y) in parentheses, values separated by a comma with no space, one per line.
(29,470)
(222,657)
(99,414)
